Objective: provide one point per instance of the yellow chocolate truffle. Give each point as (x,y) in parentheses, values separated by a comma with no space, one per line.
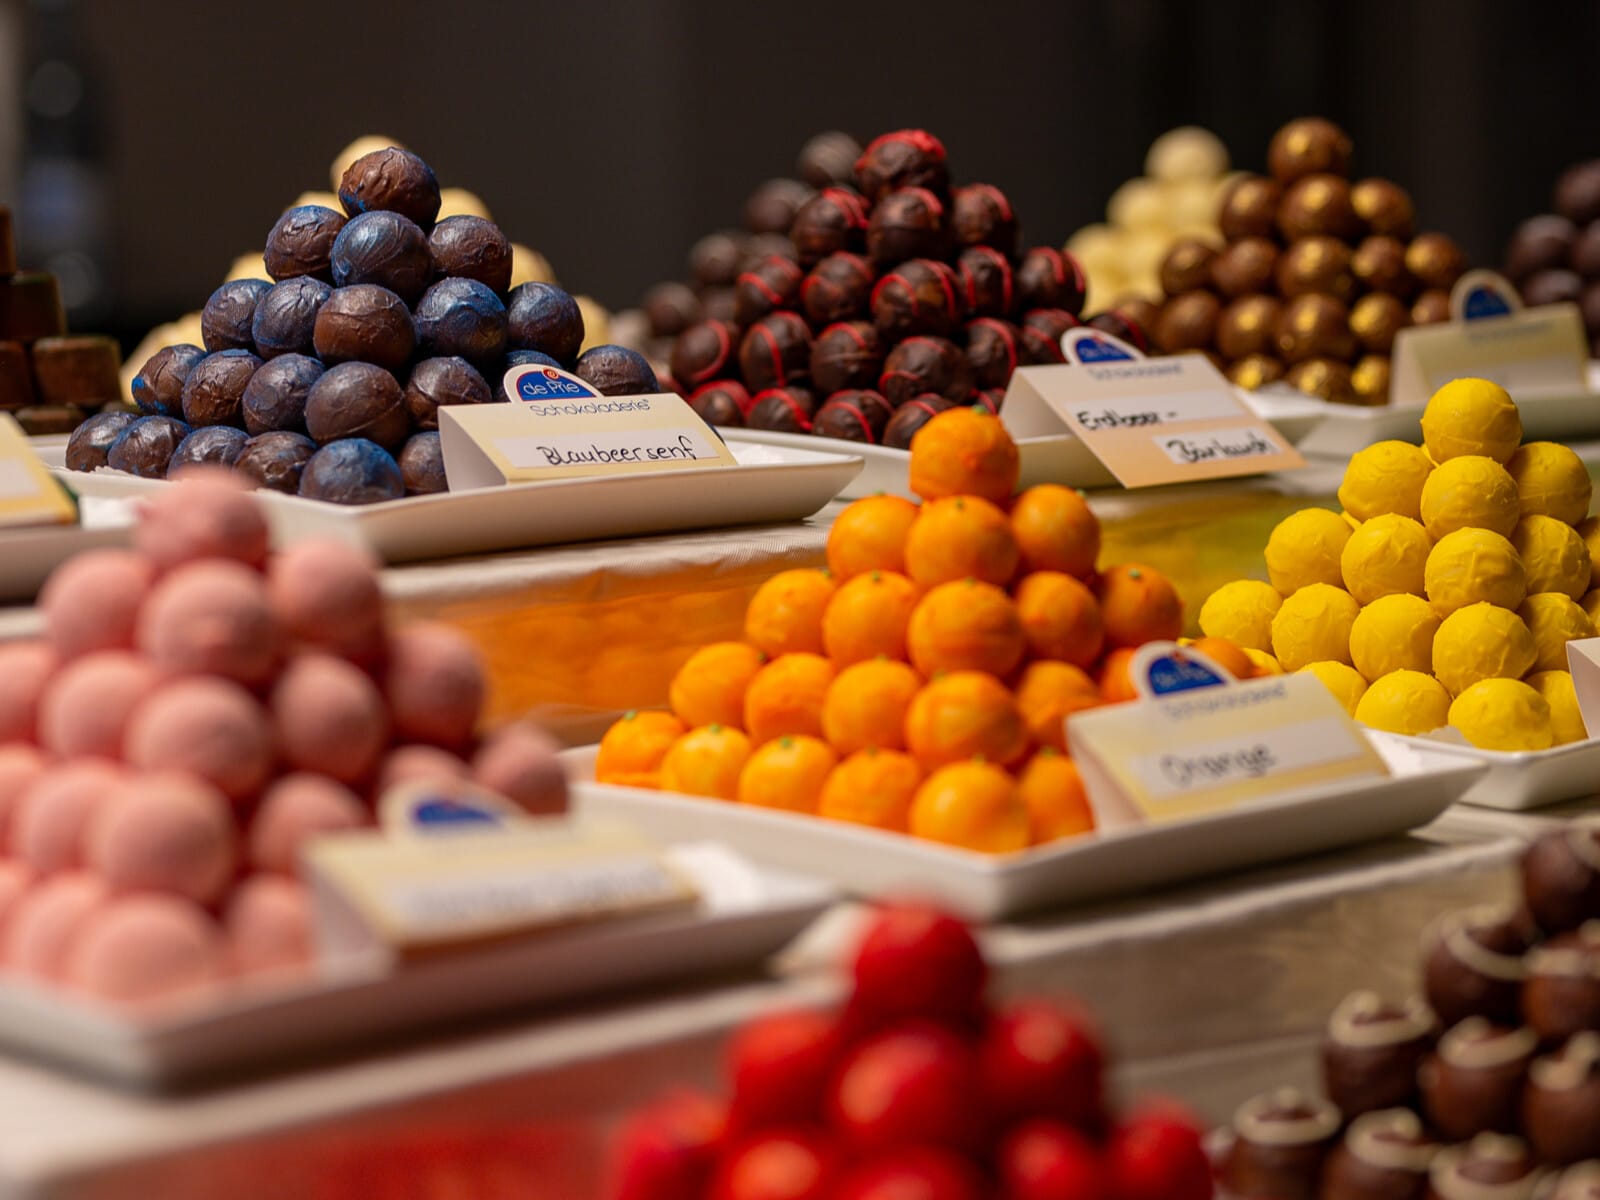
(1554,557)
(1503,714)
(1471,416)
(1566,719)
(1481,642)
(1187,152)
(1138,204)
(1304,548)
(359,148)
(1469,492)
(247,266)
(1393,633)
(1407,702)
(1386,477)
(1552,481)
(1314,626)
(1242,612)
(1473,565)
(1589,531)
(1343,681)
(529,266)
(320,199)
(458,202)
(1263,662)
(596,322)
(1386,555)
(1554,619)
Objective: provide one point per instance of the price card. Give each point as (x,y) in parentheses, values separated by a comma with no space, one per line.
(1148,420)
(558,427)
(1201,742)
(1527,351)
(29,494)
(1583,660)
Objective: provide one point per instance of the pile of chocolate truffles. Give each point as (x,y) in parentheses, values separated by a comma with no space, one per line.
(1316,276)
(1556,256)
(868,304)
(1484,1087)
(50,381)
(326,381)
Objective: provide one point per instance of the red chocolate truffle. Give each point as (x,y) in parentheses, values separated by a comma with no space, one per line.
(910,417)
(1371,1052)
(987,283)
(847,354)
(1279,1142)
(1561,876)
(994,351)
(1472,965)
(1384,1156)
(772,207)
(854,416)
(905,158)
(776,352)
(1472,1082)
(1562,994)
(782,410)
(834,219)
(1120,323)
(920,296)
(769,285)
(837,289)
(925,364)
(991,400)
(1561,1108)
(905,224)
(1051,278)
(980,215)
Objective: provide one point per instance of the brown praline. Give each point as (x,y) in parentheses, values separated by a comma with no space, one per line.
(1384,1155)
(1188,322)
(1245,267)
(1247,326)
(1371,1051)
(1472,1082)
(1279,1142)
(1308,146)
(1314,327)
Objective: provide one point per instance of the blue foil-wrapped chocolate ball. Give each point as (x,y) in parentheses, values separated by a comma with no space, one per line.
(301,243)
(145,447)
(214,392)
(391,180)
(358,400)
(463,318)
(365,323)
(440,381)
(158,387)
(217,445)
(386,249)
(276,460)
(352,471)
(287,316)
(540,316)
(472,248)
(226,319)
(617,371)
(275,397)
(91,441)
(421,463)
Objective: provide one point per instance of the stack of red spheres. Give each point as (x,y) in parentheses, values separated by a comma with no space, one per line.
(917,1090)
(196,709)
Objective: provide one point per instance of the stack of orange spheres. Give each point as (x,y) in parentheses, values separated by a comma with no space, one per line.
(921,682)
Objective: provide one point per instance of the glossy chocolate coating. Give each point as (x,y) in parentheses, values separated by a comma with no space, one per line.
(980,215)
(275,397)
(670,308)
(837,289)
(386,249)
(1318,205)
(1472,965)
(1314,327)
(1279,1142)
(1375,319)
(769,285)
(1561,1107)
(1250,209)
(212,445)
(828,158)
(910,417)
(391,180)
(286,319)
(1539,244)
(1247,326)
(1050,278)
(1584,255)
(1052,322)
(1552,287)
(1188,322)
(275,460)
(1561,877)
(988,286)
(771,208)
(765,245)
(225,320)
(1138,309)
(1562,994)
(301,243)
(91,441)
(994,351)
(1430,308)
(473,248)
(1472,1082)
(213,394)
(704,352)
(540,316)
(1383,207)
(1435,260)
(1577,193)
(1187,266)
(1371,1052)
(1489,1167)
(905,224)
(1255,370)
(1379,264)
(721,402)
(421,463)
(16,376)
(776,352)
(1383,1156)
(352,471)
(1325,378)
(1245,267)
(1369,379)
(1308,146)
(904,158)
(714,260)
(1316,264)
(80,369)
(461,318)
(30,307)
(782,410)
(158,387)
(925,364)
(834,219)
(617,371)
(718,304)
(440,381)
(847,354)
(357,400)
(1119,323)
(145,447)
(920,296)
(364,323)
(853,416)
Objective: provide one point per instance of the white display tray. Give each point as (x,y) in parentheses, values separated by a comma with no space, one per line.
(746,914)
(28,554)
(768,485)
(1514,781)
(872,862)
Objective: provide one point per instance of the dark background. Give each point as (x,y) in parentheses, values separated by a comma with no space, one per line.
(609,135)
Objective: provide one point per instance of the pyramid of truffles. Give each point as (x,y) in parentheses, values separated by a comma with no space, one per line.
(195,711)
(894,296)
(326,379)
(50,381)
(1315,277)
(1556,256)
(1483,1086)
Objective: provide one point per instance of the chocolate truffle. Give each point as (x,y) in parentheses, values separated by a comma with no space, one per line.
(1188,322)
(704,352)
(853,416)
(352,471)
(1562,994)
(765,245)
(459,318)
(905,224)
(980,215)
(146,446)
(1250,209)
(1490,1167)
(441,381)
(1245,268)
(1430,308)
(391,180)
(301,243)
(1050,278)
(1371,1051)
(911,417)
(365,323)
(386,249)
(16,375)
(1138,309)
(357,400)
(1318,205)
(1038,348)
(1279,1142)
(718,304)
(1379,263)
(1383,1156)
(987,284)
(1314,327)
(472,248)
(225,320)
(776,352)
(1247,326)
(1539,244)
(1383,208)
(30,307)
(286,319)
(925,364)
(1052,322)
(1255,371)
(1561,1107)
(1552,287)
(212,445)
(1435,260)
(670,308)
(1584,257)
(714,260)
(1308,146)
(1119,323)
(540,316)
(213,394)
(1187,266)
(617,371)
(994,351)
(837,289)
(721,402)
(1472,964)
(421,463)
(771,208)
(1472,1082)
(828,158)
(904,158)
(1581,1182)
(834,219)
(1578,193)
(920,296)
(1561,876)
(782,410)
(1316,264)
(770,285)
(1369,379)
(78,369)
(847,354)
(991,400)
(275,397)
(1325,378)
(275,460)
(1376,318)
(89,443)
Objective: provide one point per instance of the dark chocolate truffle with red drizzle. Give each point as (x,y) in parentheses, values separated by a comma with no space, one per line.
(994,351)
(776,352)
(920,296)
(1279,1141)
(770,285)
(1472,964)
(1371,1051)
(838,288)
(1050,278)
(991,400)
(1561,876)
(908,223)
(1489,1167)
(847,354)
(1383,1156)
(721,402)
(904,158)
(853,416)
(834,219)
(980,215)
(1561,1107)
(923,364)
(1562,994)
(715,260)
(911,417)
(1472,1082)
(828,158)
(771,208)
(1052,322)
(670,307)
(782,410)
(1119,324)
(704,352)
(988,284)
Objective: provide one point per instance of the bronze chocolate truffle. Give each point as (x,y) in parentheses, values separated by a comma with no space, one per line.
(386,249)
(459,318)
(540,316)
(847,354)
(1383,208)
(225,320)
(1375,319)
(1371,1051)
(1187,266)
(1562,994)
(1384,1156)
(145,447)
(714,260)
(925,364)
(1314,327)
(1490,1167)
(670,308)
(1308,146)
(828,158)
(1250,209)
(1318,205)
(1430,308)
(1578,193)
(1561,1108)
(158,387)
(776,352)
(1369,379)
(392,180)
(1472,964)
(1050,278)
(421,463)
(721,402)
(718,304)
(853,416)
(275,397)
(768,286)
(1539,244)
(987,284)
(436,382)
(364,323)
(837,289)
(1435,260)
(1325,378)
(782,410)
(1561,876)
(358,400)
(1245,268)
(91,441)
(214,392)
(704,352)
(352,471)
(904,158)
(301,243)
(920,296)
(1472,1082)
(771,208)
(1552,287)
(834,219)
(1379,263)
(1247,326)
(1188,322)
(275,460)
(1279,1142)
(994,351)
(980,215)
(1255,371)
(905,224)
(1316,264)
(213,445)
(617,371)
(911,417)
(472,248)
(286,319)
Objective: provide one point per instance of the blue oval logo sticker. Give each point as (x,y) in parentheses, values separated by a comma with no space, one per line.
(534,384)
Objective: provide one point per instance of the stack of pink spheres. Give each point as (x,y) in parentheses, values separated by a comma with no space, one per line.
(195,711)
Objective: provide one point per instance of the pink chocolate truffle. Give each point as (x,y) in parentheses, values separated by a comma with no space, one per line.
(326,595)
(207,727)
(210,515)
(434,684)
(329,717)
(85,710)
(46,921)
(212,618)
(20,765)
(47,831)
(91,602)
(164,832)
(295,809)
(25,671)
(519,762)
(144,948)
(412,764)
(15,880)
(269,926)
